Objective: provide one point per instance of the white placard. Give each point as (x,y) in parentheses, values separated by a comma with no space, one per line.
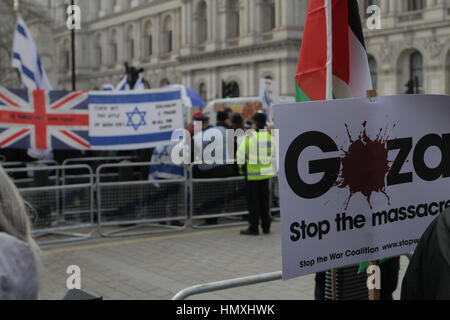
(133,120)
(360,179)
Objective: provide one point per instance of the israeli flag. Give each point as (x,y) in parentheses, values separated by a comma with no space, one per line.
(124,86)
(26,59)
(131,120)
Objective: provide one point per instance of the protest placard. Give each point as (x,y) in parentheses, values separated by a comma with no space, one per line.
(360,179)
(133,120)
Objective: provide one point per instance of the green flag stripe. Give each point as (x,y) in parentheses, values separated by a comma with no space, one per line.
(300,96)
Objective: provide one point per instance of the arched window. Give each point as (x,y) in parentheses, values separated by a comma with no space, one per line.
(98,51)
(129,43)
(268,15)
(373,72)
(113,53)
(167,35)
(148,39)
(416,69)
(233,19)
(231,90)
(413,5)
(164,82)
(98,7)
(65,55)
(201,23)
(202,91)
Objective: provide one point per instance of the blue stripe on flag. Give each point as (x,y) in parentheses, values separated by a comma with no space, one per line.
(21,30)
(133,139)
(39,66)
(123,87)
(25,70)
(134,98)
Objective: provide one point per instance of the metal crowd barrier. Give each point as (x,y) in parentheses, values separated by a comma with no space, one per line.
(95,162)
(352,293)
(218,198)
(131,202)
(26,178)
(44,198)
(227,284)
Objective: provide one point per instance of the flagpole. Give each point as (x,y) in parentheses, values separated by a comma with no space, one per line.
(328,14)
(72,36)
(329,94)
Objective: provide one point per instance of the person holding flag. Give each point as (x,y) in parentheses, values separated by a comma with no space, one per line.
(333,64)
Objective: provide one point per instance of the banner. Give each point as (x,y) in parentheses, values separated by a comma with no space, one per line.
(43,120)
(360,179)
(133,120)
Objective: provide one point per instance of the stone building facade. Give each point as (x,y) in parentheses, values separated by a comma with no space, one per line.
(203,43)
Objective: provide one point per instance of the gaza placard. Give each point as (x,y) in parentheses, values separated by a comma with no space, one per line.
(360,179)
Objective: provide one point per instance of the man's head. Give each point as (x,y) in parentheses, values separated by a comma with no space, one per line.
(199,116)
(223,119)
(237,122)
(259,121)
(229,112)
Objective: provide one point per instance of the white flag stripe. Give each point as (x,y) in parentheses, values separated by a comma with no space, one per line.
(11,132)
(68,105)
(14,98)
(27,60)
(71,142)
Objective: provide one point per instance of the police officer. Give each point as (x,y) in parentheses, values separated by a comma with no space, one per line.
(255,153)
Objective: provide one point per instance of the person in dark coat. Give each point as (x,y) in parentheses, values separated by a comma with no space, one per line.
(428,273)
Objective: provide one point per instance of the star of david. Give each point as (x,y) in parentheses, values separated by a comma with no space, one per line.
(136,119)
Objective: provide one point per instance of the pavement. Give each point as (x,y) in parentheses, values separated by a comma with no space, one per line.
(156,267)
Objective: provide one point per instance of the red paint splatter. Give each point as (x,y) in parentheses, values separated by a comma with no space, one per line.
(365,165)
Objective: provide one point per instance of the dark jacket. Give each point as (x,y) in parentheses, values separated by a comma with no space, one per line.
(428,273)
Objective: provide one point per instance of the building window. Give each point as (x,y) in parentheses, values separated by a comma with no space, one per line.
(98,51)
(268,14)
(65,56)
(416,69)
(164,82)
(202,91)
(65,60)
(373,72)
(113,48)
(233,19)
(98,7)
(415,5)
(167,35)
(129,43)
(148,39)
(201,23)
(230,89)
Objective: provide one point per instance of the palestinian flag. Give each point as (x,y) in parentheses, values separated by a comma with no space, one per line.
(350,67)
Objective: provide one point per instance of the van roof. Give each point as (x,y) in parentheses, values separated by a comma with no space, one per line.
(241,99)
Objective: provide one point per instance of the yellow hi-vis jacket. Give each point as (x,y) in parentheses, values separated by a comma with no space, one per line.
(255,151)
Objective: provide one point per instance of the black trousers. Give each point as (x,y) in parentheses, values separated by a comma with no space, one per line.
(389,280)
(258,204)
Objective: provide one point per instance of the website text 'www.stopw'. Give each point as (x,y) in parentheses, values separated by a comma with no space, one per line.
(401,243)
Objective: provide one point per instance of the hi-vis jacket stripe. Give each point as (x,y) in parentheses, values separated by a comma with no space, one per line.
(256,152)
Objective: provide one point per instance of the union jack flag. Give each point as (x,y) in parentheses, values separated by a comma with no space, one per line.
(39,119)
